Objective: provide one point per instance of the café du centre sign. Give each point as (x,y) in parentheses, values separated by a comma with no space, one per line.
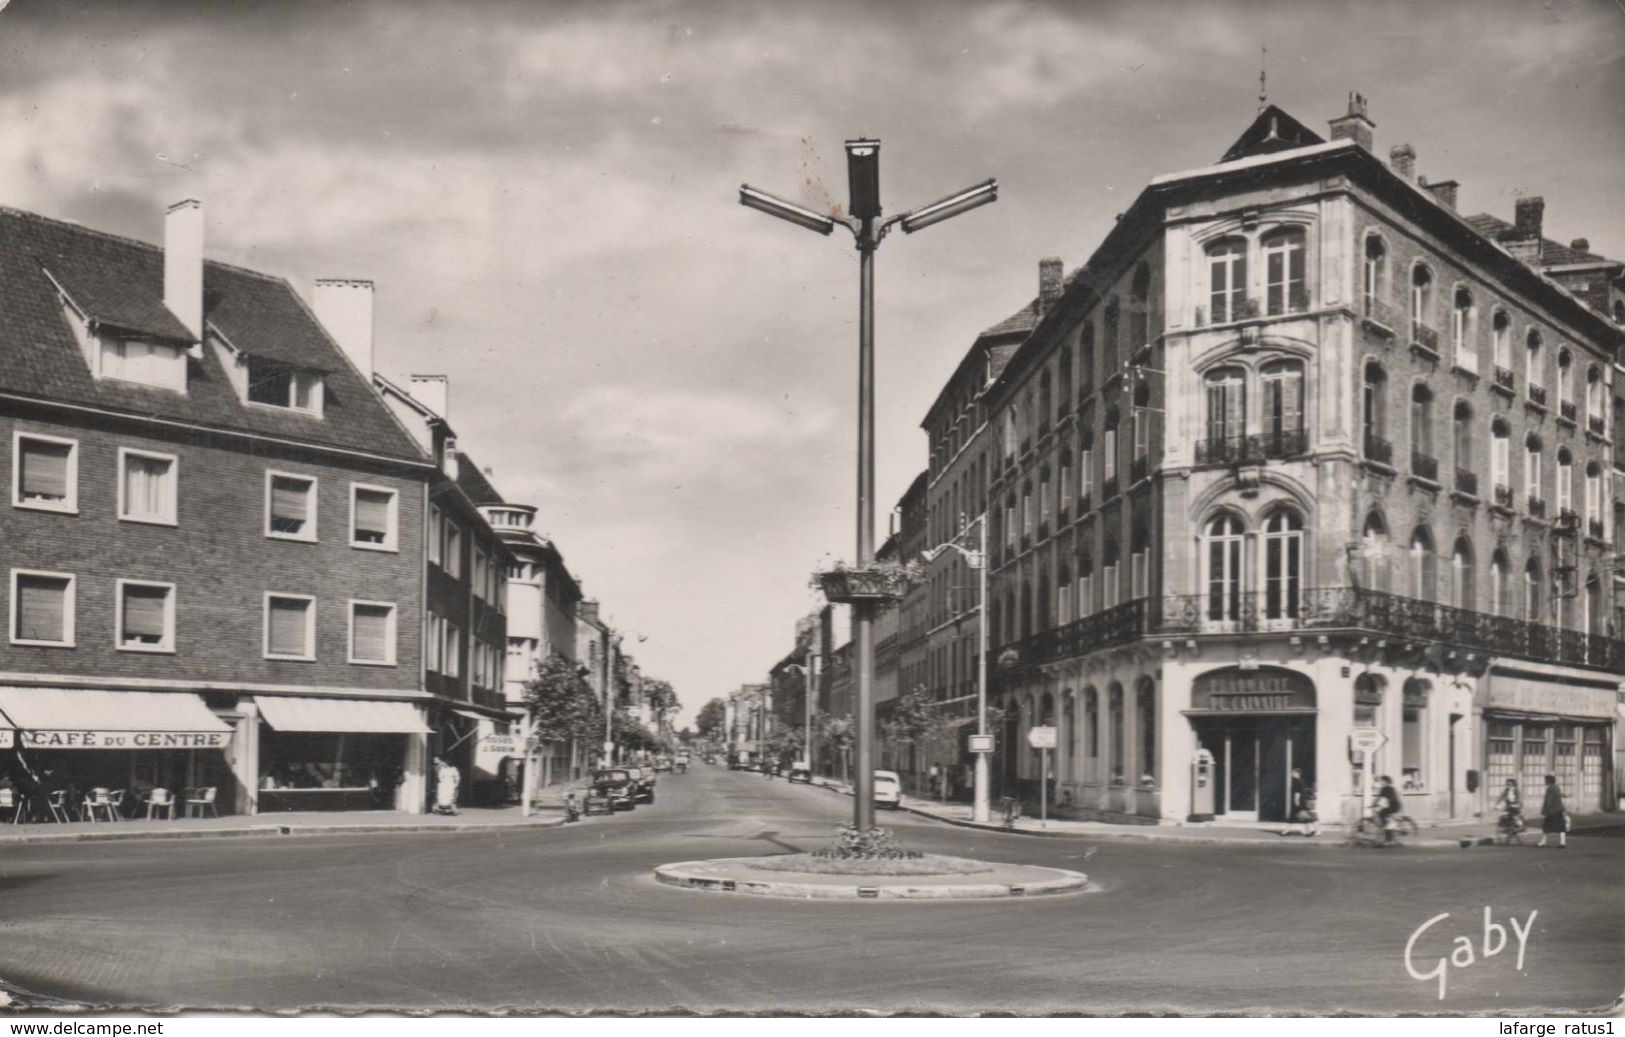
(70,739)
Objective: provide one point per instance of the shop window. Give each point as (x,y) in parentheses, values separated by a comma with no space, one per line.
(372,632)
(42,608)
(1413,733)
(290,506)
(1091,725)
(373,517)
(146,489)
(290,626)
(45,473)
(1534,760)
(146,616)
(1146,703)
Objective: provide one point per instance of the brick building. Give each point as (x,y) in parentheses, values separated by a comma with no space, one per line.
(1301,450)
(214,532)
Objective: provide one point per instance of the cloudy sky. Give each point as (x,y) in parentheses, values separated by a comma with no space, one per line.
(545,194)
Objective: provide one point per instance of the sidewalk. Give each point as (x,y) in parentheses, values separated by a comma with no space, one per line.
(470,819)
(1455,834)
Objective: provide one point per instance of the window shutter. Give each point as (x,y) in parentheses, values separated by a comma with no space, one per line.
(144,609)
(370,633)
(288,626)
(289,499)
(41,605)
(372,515)
(45,469)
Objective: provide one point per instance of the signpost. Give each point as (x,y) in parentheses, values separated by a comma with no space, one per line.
(1042,738)
(981,743)
(1366,741)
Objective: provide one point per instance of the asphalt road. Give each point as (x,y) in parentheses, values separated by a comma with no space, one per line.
(571,919)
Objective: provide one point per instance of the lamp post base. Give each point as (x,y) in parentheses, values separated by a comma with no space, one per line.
(979,812)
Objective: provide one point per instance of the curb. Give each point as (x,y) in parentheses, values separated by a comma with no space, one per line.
(268,830)
(675,875)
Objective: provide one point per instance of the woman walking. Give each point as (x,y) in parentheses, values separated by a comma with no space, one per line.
(447,779)
(1554,816)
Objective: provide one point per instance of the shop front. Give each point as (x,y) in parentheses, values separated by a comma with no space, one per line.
(76,740)
(1257,725)
(337,754)
(1538,724)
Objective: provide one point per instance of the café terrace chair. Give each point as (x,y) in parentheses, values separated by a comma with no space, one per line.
(200,800)
(99,799)
(115,805)
(160,799)
(57,803)
(12,802)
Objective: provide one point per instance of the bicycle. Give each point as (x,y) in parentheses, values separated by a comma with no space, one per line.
(1371,830)
(1009,810)
(1510,827)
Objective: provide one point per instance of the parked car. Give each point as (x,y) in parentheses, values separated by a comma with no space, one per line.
(799,771)
(643,784)
(614,785)
(888,789)
(662,763)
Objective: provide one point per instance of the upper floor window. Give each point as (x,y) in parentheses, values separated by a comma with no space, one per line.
(1424,580)
(1139,308)
(1531,467)
(1283,271)
(1374,410)
(1463,594)
(290,626)
(1227,278)
(451,551)
(290,506)
(277,384)
(1501,457)
(1498,583)
(1222,562)
(1063,386)
(1086,359)
(45,473)
(1226,404)
(1532,363)
(1283,398)
(1464,432)
(1595,411)
(436,535)
(1531,590)
(1565,480)
(1046,407)
(147,487)
(1501,333)
(1376,269)
(1109,331)
(1283,564)
(1461,328)
(373,522)
(1565,376)
(1594,496)
(161,365)
(1422,420)
(372,633)
(42,608)
(1142,420)
(1421,296)
(146,616)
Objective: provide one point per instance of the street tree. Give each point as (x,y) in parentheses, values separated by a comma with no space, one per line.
(563,708)
(712,720)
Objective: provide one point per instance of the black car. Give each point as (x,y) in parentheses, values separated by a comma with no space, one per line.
(643,784)
(618,785)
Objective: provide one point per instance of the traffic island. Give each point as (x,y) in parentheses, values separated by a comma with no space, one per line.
(926,878)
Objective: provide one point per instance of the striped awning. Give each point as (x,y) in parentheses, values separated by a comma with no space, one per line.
(350,716)
(77,718)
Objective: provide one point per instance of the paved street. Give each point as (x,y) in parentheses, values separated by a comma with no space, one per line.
(570,919)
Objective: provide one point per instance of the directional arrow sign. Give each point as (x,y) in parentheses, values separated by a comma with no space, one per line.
(1366,740)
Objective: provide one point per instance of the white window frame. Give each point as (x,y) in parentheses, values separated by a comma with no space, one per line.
(478,580)
(431,643)
(70,502)
(316,382)
(451,561)
(175,369)
(164,647)
(390,638)
(310,627)
(392,536)
(271,475)
(451,649)
(171,518)
(70,601)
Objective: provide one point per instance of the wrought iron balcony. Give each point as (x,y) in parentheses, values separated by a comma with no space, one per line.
(1503,496)
(1537,394)
(1380,316)
(1424,467)
(1378,449)
(1594,528)
(1568,520)
(1537,507)
(1595,423)
(1296,301)
(1109,488)
(1467,482)
(1084,504)
(1225,310)
(1567,410)
(1138,469)
(1424,337)
(1220,449)
(1503,378)
(1265,446)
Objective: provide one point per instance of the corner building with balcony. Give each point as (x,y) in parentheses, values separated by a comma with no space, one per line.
(1301,450)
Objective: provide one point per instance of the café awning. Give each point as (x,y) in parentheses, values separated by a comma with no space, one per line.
(348,716)
(77,718)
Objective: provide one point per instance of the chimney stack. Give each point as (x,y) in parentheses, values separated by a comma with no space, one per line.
(431,390)
(1581,244)
(1049,283)
(1356,125)
(183,264)
(1444,192)
(1530,214)
(587,609)
(344,306)
(1402,157)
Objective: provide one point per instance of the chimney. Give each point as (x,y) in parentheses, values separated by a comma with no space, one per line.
(183,264)
(431,390)
(1444,192)
(1581,244)
(1356,125)
(588,611)
(1049,284)
(1530,213)
(1402,157)
(344,307)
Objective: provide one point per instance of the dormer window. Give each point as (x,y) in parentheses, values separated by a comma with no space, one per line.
(161,365)
(277,384)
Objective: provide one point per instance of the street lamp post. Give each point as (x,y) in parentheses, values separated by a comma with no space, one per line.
(863,177)
(806,672)
(982,751)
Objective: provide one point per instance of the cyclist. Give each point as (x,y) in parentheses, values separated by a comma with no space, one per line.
(1387,805)
(1511,804)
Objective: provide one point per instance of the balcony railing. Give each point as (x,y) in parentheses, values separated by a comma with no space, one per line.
(1466,482)
(1503,495)
(1380,316)
(1595,423)
(1224,310)
(1568,520)
(1594,527)
(1138,468)
(1378,449)
(1108,489)
(1567,410)
(1536,506)
(1266,446)
(1503,378)
(1289,608)
(1296,301)
(1424,467)
(1537,394)
(1424,337)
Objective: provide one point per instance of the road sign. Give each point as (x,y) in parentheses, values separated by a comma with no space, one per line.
(1366,740)
(1041,738)
(981,743)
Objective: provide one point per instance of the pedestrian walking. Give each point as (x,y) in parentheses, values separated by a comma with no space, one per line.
(1554,816)
(1301,816)
(446,781)
(1388,807)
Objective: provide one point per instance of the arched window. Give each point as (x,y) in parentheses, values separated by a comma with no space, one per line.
(1063,486)
(1462,428)
(1565,380)
(1063,596)
(1115,709)
(1596,413)
(1026,609)
(1029,520)
(1498,583)
(1532,366)
(1284,290)
(1373,413)
(1368,689)
(1463,595)
(1423,461)
(1063,387)
(1227,279)
(1109,331)
(1086,360)
(1086,583)
(1145,703)
(1222,561)
(1086,468)
(1374,553)
(1594,499)
(1565,481)
(1376,273)
(1283,408)
(1142,419)
(1109,453)
(1046,402)
(1501,460)
(1139,308)
(1110,588)
(1532,473)
(1461,329)
(1424,578)
(1139,563)
(1283,564)
(1091,729)
(1531,590)
(1421,300)
(1501,333)
(1226,414)
(1041,604)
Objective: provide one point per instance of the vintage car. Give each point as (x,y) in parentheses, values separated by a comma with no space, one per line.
(888,789)
(643,784)
(614,787)
(800,771)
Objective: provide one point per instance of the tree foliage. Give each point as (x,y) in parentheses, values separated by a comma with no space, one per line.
(913,717)
(712,720)
(562,704)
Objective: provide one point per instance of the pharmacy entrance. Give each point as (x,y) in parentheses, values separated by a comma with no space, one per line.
(1258,724)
